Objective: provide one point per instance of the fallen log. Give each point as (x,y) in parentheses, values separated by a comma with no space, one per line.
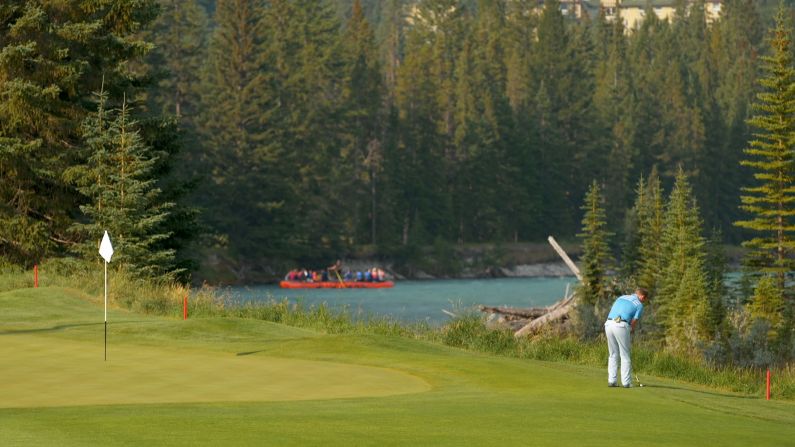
(572,266)
(518,312)
(533,318)
(565,301)
(527,320)
(561,311)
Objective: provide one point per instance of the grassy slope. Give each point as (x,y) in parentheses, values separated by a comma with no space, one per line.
(245,374)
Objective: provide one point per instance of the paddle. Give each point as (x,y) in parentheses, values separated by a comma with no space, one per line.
(339,278)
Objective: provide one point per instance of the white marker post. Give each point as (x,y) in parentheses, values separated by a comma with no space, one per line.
(106,251)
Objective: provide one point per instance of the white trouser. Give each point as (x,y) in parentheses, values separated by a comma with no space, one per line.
(618,343)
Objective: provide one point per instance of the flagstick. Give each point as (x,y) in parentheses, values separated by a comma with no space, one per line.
(106,311)
(106,251)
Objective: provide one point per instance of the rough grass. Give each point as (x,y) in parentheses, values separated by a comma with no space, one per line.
(648,358)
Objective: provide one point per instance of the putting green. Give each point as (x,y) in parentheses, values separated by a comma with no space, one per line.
(43,372)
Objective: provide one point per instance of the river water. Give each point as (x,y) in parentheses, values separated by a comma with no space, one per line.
(412,301)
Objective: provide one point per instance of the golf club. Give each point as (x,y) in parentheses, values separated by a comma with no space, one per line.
(638,379)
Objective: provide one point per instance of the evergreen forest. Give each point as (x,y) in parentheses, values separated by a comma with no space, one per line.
(280,132)
(274,133)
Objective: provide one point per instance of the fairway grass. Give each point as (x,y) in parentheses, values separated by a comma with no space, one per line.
(244,382)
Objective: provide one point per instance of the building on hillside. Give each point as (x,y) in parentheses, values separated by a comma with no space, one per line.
(712,8)
(575,9)
(428,16)
(632,12)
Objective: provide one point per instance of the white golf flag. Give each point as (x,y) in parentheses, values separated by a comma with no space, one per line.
(105,248)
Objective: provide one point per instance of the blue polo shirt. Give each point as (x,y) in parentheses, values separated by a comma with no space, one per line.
(628,307)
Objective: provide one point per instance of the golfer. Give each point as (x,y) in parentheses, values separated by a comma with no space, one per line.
(621,321)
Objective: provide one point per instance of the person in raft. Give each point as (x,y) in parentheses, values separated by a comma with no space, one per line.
(621,322)
(337,267)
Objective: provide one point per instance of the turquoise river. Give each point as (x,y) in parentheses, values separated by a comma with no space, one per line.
(411,301)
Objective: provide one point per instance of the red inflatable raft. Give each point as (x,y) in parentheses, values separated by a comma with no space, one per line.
(335,285)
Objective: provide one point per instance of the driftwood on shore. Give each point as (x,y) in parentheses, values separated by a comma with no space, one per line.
(528,320)
(515,313)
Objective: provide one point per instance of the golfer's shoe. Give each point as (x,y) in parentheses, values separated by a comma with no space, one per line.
(612,384)
(629,385)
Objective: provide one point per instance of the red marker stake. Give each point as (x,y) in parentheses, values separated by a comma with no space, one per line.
(767,393)
(185,308)
(36,276)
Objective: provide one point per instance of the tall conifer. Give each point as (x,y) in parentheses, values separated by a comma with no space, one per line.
(771,156)
(617,156)
(595,249)
(362,98)
(486,195)
(651,219)
(123,195)
(419,170)
(553,59)
(630,248)
(683,298)
(305,69)
(180,38)
(736,46)
(245,194)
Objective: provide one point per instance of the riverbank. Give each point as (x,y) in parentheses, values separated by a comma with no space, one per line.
(469,261)
(440,261)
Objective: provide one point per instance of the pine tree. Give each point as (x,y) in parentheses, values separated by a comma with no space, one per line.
(563,104)
(683,295)
(768,304)
(595,249)
(736,46)
(681,124)
(631,262)
(177,179)
(390,34)
(123,196)
(419,171)
(520,91)
(702,65)
(245,193)
(771,155)
(54,55)
(520,37)
(486,192)
(651,220)
(689,324)
(180,36)
(305,70)
(362,105)
(716,267)
(551,59)
(613,102)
